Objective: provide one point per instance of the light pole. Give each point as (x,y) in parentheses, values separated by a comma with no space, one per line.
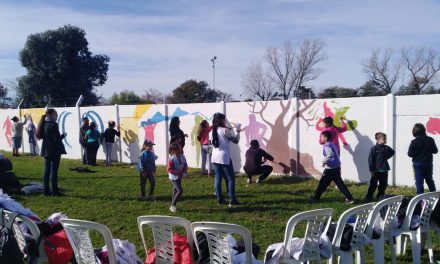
(213,71)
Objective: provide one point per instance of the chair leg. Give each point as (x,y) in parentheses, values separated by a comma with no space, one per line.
(399,245)
(392,251)
(360,256)
(429,245)
(416,241)
(379,252)
(346,257)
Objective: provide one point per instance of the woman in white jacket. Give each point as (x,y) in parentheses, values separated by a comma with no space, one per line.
(221,159)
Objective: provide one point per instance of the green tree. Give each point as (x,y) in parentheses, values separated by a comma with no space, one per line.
(60,67)
(5,101)
(371,89)
(126,97)
(193,91)
(338,92)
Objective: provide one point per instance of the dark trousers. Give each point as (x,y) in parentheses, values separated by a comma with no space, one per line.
(177,191)
(264,171)
(92,150)
(51,165)
(382,178)
(423,173)
(84,157)
(143,182)
(332,175)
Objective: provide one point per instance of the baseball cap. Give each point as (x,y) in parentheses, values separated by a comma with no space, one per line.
(148,143)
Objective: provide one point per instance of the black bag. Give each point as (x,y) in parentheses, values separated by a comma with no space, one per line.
(5,165)
(9,249)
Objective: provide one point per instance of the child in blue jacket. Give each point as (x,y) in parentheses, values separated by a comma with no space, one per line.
(147,169)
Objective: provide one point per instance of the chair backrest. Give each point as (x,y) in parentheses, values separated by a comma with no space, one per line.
(77,232)
(162,227)
(392,205)
(318,222)
(429,201)
(217,237)
(33,228)
(361,212)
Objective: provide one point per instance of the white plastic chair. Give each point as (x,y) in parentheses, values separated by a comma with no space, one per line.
(162,227)
(217,237)
(19,236)
(361,212)
(389,225)
(429,201)
(78,234)
(318,222)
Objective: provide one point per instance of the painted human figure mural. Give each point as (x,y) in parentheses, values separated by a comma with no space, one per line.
(149,130)
(255,130)
(7,125)
(433,126)
(197,120)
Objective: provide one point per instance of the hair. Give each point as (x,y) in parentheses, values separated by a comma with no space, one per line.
(92,125)
(218,121)
(40,127)
(174,122)
(327,134)
(175,139)
(202,127)
(328,120)
(380,135)
(111,124)
(174,147)
(419,130)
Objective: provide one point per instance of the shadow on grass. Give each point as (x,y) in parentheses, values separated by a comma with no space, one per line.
(288,180)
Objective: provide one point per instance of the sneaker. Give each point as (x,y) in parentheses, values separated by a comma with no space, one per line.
(48,193)
(349,201)
(58,193)
(142,198)
(232,203)
(249,181)
(260,181)
(221,201)
(312,198)
(152,198)
(173,208)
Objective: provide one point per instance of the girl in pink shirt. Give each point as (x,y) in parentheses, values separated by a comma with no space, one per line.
(329,126)
(203,136)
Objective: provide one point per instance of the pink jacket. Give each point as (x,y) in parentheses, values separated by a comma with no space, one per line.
(335,134)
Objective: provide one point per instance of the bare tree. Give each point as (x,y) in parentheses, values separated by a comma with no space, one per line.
(257,83)
(382,71)
(288,68)
(154,96)
(423,65)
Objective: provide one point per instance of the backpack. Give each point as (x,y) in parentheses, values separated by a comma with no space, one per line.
(141,158)
(9,249)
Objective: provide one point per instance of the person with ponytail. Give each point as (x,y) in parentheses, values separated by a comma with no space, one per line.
(203,137)
(221,158)
(51,149)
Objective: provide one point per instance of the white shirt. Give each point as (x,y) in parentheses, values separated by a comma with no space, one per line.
(221,154)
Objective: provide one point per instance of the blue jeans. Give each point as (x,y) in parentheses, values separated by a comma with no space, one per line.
(206,157)
(228,170)
(423,172)
(51,165)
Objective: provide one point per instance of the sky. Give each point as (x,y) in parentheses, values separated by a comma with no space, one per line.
(162,43)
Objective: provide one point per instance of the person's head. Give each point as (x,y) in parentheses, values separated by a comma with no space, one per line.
(381,138)
(326,136)
(50,114)
(328,121)
(419,130)
(148,145)
(85,121)
(175,122)
(15,119)
(218,121)
(254,143)
(111,124)
(202,126)
(174,149)
(92,126)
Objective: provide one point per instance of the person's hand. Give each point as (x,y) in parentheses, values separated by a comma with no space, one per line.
(144,174)
(342,118)
(186,135)
(323,165)
(65,134)
(185,175)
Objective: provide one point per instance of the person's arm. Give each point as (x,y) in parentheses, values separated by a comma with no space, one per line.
(434,147)
(343,126)
(118,133)
(411,150)
(390,152)
(57,137)
(371,160)
(267,155)
(233,138)
(170,167)
(25,120)
(329,155)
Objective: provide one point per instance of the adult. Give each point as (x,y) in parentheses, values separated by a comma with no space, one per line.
(254,164)
(329,126)
(51,149)
(420,150)
(221,158)
(175,131)
(17,134)
(82,138)
(203,132)
(31,129)
(92,137)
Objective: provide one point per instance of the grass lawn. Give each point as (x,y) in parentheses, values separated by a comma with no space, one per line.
(109,196)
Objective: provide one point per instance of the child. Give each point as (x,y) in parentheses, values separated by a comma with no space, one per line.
(379,167)
(147,169)
(329,126)
(177,168)
(420,150)
(254,162)
(17,134)
(332,171)
(109,139)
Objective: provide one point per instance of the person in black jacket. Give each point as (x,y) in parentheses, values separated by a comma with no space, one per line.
(175,130)
(51,149)
(82,138)
(109,139)
(420,150)
(254,162)
(379,167)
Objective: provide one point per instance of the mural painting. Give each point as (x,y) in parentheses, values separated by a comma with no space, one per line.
(277,144)
(433,126)
(255,130)
(62,117)
(7,125)
(194,142)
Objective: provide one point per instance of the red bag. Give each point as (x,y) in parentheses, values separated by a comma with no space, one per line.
(182,251)
(58,248)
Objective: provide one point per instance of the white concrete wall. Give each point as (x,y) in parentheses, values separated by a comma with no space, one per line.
(289,135)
